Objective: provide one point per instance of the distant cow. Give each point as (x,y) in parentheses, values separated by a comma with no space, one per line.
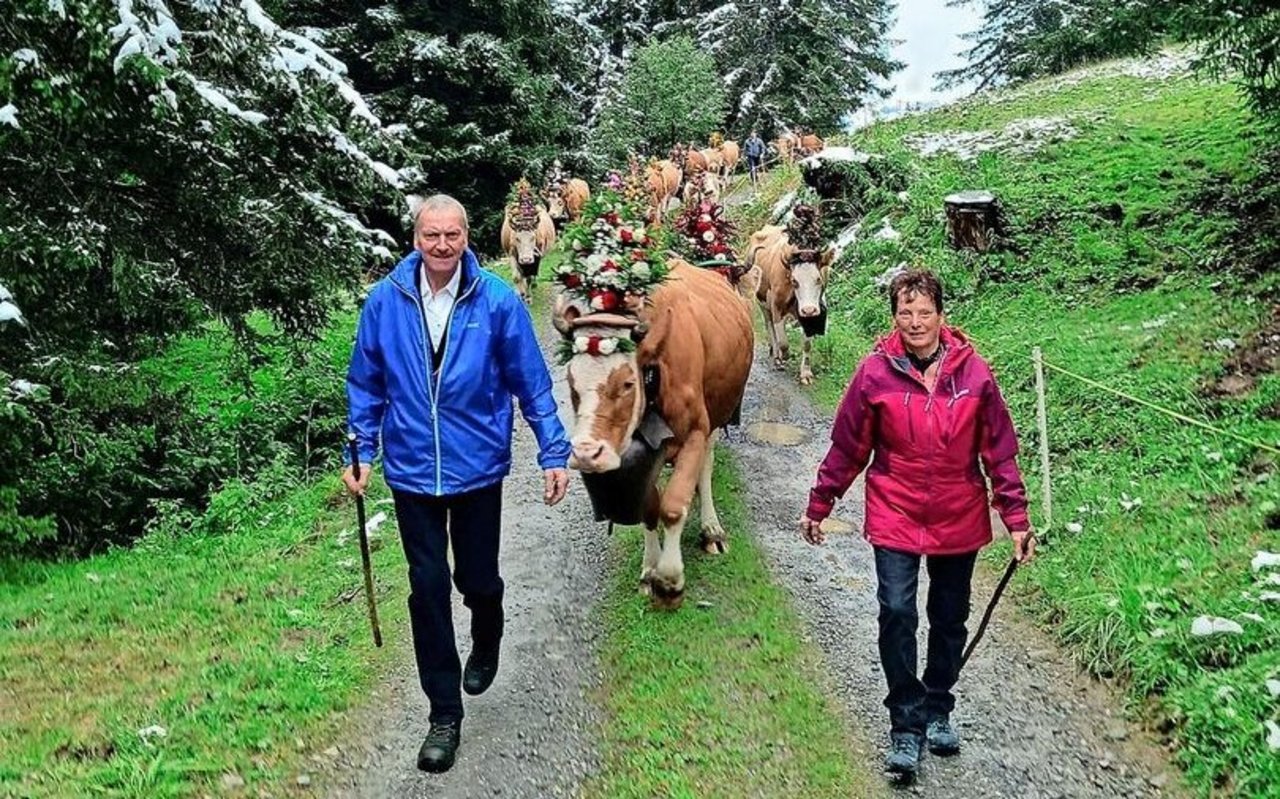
(792,282)
(663,402)
(810,144)
(787,144)
(663,179)
(526,239)
(729,154)
(565,202)
(704,186)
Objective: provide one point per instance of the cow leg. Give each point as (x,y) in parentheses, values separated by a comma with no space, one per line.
(651,545)
(713,535)
(766,310)
(806,373)
(522,287)
(778,331)
(668,577)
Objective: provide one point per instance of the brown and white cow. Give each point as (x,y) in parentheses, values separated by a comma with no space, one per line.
(729,155)
(565,203)
(663,179)
(526,240)
(704,185)
(698,341)
(792,282)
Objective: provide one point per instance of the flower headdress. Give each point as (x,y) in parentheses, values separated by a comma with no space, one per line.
(522,207)
(613,261)
(704,232)
(804,231)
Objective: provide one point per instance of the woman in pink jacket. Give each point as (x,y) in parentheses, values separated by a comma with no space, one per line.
(925,410)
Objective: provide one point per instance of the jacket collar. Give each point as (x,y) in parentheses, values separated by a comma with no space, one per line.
(405,274)
(958,350)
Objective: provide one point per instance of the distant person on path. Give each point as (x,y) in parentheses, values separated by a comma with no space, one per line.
(441,347)
(925,410)
(754,150)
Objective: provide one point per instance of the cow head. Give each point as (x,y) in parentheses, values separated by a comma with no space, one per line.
(555,204)
(808,270)
(528,253)
(606,389)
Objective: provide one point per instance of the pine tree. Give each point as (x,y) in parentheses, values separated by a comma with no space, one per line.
(1025,39)
(484,92)
(805,63)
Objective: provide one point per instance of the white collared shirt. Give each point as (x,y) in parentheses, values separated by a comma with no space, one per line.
(436,306)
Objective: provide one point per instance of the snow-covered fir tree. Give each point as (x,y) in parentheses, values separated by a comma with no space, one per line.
(797,62)
(481,92)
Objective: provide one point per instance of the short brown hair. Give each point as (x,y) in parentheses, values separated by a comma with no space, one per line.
(915,281)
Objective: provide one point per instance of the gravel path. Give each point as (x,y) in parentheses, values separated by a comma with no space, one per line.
(1031,725)
(534,732)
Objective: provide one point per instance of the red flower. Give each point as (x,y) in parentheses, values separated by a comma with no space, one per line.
(609,266)
(625,235)
(638,255)
(570,280)
(593,345)
(611,218)
(608,300)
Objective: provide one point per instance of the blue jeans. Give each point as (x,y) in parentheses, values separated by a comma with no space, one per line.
(912,701)
(754,163)
(471,521)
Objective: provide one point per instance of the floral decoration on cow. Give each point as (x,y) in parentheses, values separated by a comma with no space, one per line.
(704,233)
(804,231)
(612,260)
(594,345)
(522,207)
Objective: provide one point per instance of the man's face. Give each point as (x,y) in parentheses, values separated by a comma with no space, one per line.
(441,238)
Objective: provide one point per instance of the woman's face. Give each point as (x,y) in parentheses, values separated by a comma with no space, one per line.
(919,322)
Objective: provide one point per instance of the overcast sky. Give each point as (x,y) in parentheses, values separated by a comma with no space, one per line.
(930,34)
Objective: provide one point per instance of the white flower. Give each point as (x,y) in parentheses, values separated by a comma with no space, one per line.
(608,346)
(597,302)
(1074,527)
(1129,504)
(577,245)
(1264,560)
(154,731)
(705,218)
(709,236)
(580,344)
(595,261)
(641,270)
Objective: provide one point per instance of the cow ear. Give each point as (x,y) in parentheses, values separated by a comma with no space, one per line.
(659,325)
(828,255)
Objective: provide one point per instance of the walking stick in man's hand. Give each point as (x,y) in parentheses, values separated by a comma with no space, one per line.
(991,606)
(364,545)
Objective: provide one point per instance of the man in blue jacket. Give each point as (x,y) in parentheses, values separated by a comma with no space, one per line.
(754,150)
(441,348)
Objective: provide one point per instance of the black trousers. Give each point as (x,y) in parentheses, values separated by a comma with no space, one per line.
(912,701)
(471,522)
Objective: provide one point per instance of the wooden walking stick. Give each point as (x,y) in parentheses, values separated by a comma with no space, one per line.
(364,545)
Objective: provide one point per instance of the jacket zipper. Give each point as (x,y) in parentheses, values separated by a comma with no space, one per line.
(426,360)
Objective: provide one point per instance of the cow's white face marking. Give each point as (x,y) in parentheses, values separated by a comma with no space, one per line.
(526,246)
(608,400)
(807,281)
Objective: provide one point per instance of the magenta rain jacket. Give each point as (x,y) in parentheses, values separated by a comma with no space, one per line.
(925,490)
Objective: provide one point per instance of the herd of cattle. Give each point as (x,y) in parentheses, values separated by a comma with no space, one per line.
(664,398)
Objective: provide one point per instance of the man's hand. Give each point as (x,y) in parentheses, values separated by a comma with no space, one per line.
(349,478)
(557,483)
(812,531)
(1024,545)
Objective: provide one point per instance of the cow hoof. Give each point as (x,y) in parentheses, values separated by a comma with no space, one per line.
(666,597)
(715,546)
(778,363)
(806,379)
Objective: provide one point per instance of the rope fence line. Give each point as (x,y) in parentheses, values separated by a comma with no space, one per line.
(1040,364)
(1166,411)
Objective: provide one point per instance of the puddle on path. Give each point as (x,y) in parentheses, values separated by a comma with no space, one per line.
(777,433)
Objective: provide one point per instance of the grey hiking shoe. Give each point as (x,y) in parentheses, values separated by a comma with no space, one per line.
(903,759)
(944,741)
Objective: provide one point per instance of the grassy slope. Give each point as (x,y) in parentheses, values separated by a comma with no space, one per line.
(227,635)
(1133,298)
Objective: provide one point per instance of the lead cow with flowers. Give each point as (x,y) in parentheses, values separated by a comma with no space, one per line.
(658,353)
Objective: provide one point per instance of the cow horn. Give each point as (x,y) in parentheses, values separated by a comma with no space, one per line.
(638,332)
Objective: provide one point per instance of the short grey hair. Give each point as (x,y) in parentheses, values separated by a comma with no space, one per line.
(437,202)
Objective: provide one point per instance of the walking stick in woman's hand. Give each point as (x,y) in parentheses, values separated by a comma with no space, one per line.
(364,545)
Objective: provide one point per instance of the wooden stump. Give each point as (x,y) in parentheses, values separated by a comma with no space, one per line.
(974,220)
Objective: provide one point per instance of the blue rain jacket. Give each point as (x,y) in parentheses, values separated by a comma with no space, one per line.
(450,433)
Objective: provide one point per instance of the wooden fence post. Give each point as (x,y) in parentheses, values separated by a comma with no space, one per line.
(1042,421)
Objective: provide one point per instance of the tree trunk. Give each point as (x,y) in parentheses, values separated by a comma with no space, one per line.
(974,221)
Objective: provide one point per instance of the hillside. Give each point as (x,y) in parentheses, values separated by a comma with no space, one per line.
(1140,250)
